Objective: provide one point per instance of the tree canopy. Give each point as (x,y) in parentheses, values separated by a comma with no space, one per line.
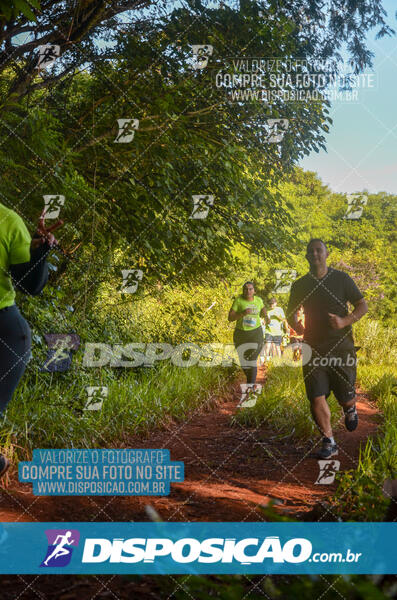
(130,205)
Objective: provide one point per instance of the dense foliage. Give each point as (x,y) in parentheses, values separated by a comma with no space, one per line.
(129,206)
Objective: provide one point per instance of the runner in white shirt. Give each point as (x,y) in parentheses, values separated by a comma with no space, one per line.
(274,328)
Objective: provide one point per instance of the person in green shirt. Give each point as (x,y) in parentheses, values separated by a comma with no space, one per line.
(247,310)
(22,265)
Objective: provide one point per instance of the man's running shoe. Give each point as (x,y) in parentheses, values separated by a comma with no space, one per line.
(351,418)
(4,464)
(327,449)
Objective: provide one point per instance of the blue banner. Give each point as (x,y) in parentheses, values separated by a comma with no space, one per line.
(198,548)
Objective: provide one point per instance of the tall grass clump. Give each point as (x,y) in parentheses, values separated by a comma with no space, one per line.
(359,495)
(47,410)
(135,405)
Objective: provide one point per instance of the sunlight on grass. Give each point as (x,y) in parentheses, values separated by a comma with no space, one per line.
(136,403)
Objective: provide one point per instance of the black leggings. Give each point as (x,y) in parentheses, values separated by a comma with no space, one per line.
(248,355)
(15,344)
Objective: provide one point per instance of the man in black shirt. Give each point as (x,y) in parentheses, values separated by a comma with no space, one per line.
(324,293)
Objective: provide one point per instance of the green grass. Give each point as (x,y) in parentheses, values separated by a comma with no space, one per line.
(47,412)
(47,409)
(378,342)
(283,404)
(359,495)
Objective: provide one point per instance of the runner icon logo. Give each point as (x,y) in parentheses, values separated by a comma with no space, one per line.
(126,132)
(59,551)
(131,278)
(96,395)
(356,203)
(201,206)
(48,53)
(328,470)
(284,279)
(249,394)
(276,130)
(201,54)
(53,205)
(59,353)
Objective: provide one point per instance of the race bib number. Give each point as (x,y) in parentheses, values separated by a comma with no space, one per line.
(249,321)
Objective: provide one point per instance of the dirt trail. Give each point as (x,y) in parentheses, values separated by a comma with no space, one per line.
(230,473)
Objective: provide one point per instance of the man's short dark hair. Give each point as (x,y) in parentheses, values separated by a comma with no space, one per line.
(316,240)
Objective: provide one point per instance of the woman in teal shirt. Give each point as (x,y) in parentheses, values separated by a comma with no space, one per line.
(248,335)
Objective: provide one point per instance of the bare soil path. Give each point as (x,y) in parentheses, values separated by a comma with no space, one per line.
(231,473)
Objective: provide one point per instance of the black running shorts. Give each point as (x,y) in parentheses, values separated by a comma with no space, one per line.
(333,371)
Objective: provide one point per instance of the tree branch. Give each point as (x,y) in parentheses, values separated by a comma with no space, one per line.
(92,13)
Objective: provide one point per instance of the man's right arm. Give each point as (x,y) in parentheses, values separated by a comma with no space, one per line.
(294,303)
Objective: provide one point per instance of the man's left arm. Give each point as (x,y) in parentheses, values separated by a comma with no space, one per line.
(360,309)
(355,297)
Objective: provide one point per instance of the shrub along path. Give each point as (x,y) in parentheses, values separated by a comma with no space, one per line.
(232,473)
